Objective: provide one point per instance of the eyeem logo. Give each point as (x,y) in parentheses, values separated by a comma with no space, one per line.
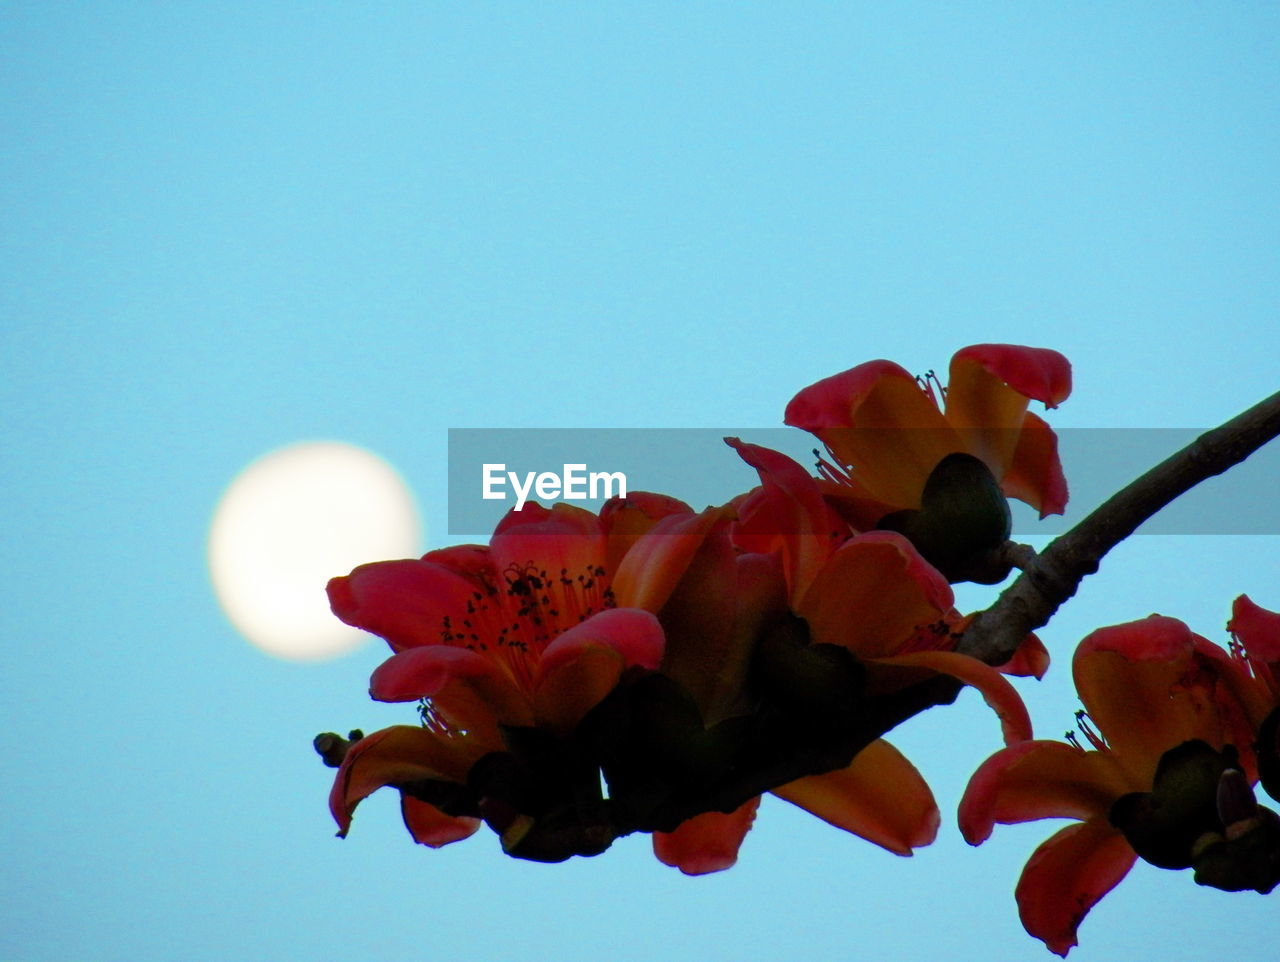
(574,484)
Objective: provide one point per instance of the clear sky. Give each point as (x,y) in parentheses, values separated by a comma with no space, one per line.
(229,227)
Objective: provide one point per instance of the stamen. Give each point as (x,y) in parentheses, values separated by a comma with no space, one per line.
(830,471)
(1085,724)
(535,609)
(431,719)
(933,388)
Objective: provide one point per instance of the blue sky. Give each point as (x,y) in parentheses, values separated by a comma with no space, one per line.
(231,227)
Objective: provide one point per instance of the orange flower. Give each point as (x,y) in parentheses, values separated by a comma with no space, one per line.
(870,596)
(1164,724)
(887,432)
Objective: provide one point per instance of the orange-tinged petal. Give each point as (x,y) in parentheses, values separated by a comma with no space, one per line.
(1142,685)
(658,560)
(1065,878)
(708,842)
(626,519)
(431,827)
(698,616)
(584,664)
(1034,372)
(788,512)
(880,797)
(1040,779)
(1035,476)
(876,419)
(403,753)
(1015,723)
(872,594)
(1030,659)
(986,412)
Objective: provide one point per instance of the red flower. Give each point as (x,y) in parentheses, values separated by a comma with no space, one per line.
(875,597)
(527,632)
(871,593)
(886,432)
(1162,700)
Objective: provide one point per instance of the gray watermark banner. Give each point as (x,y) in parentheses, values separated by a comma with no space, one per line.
(495,470)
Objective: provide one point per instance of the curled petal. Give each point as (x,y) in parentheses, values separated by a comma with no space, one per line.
(1030,659)
(1066,876)
(708,842)
(872,594)
(1034,475)
(584,664)
(1001,696)
(392,756)
(1037,373)
(431,827)
(880,797)
(1039,779)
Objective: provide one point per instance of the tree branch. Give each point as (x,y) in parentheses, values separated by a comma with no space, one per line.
(1053,576)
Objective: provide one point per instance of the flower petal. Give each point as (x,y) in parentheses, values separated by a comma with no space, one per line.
(406,601)
(1001,696)
(872,594)
(1259,632)
(1147,690)
(562,539)
(708,842)
(1037,373)
(470,690)
(403,753)
(1066,876)
(1034,475)
(1039,779)
(431,827)
(626,519)
(788,513)
(656,562)
(880,797)
(1030,659)
(584,664)
(876,419)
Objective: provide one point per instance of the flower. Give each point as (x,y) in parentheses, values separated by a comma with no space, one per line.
(937,468)
(1165,729)
(871,594)
(527,632)
(870,597)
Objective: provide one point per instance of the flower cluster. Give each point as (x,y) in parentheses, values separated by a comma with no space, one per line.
(652,668)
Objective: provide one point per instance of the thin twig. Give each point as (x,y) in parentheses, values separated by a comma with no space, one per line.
(1053,576)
